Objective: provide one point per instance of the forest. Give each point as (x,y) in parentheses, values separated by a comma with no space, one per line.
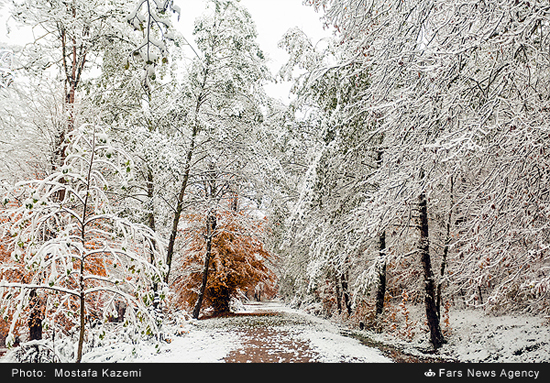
(409,171)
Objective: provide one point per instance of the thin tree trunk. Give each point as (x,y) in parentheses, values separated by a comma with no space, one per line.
(345,291)
(179,205)
(338,294)
(73,74)
(150,197)
(445,251)
(381,289)
(235,203)
(436,336)
(480,295)
(83,242)
(151,224)
(82,321)
(210,227)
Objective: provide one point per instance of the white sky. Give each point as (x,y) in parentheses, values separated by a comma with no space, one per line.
(272,17)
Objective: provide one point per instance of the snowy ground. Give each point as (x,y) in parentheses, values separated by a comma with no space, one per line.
(478,337)
(289,335)
(265,332)
(508,338)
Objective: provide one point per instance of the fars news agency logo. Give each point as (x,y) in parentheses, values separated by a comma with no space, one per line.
(508,373)
(429,373)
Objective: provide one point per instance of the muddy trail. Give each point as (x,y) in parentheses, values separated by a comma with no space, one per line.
(266,339)
(270,333)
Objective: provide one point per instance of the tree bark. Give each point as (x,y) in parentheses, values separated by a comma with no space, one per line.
(187,171)
(445,252)
(436,336)
(381,289)
(150,197)
(210,227)
(179,205)
(82,260)
(338,294)
(345,291)
(82,325)
(73,73)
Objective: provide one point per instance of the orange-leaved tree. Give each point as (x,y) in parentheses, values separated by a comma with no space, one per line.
(238,261)
(9,269)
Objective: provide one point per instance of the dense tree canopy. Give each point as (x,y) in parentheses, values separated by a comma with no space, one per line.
(410,168)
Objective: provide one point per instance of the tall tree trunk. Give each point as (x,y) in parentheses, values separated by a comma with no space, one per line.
(381,288)
(152,226)
(338,294)
(436,336)
(445,251)
(73,61)
(187,168)
(345,291)
(210,227)
(179,205)
(82,260)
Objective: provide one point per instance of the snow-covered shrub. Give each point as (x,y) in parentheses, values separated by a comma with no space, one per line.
(79,259)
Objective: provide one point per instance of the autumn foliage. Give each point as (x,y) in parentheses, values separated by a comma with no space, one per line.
(43,304)
(239,264)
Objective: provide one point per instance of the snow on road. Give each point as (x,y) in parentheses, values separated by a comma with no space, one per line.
(281,335)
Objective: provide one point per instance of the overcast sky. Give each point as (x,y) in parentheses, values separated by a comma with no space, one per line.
(272,17)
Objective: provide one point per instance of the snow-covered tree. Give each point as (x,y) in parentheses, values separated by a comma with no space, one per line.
(151,18)
(70,37)
(6,66)
(220,100)
(81,257)
(452,83)
(345,153)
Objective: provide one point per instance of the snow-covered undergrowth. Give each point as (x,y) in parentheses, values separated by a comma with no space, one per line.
(508,338)
(112,343)
(474,336)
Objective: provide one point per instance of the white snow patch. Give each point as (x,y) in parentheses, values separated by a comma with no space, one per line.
(477,337)
(336,348)
(200,345)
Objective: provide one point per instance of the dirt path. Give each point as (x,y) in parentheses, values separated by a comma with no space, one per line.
(263,342)
(272,333)
(271,346)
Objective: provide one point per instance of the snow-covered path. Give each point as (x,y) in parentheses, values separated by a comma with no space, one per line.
(264,332)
